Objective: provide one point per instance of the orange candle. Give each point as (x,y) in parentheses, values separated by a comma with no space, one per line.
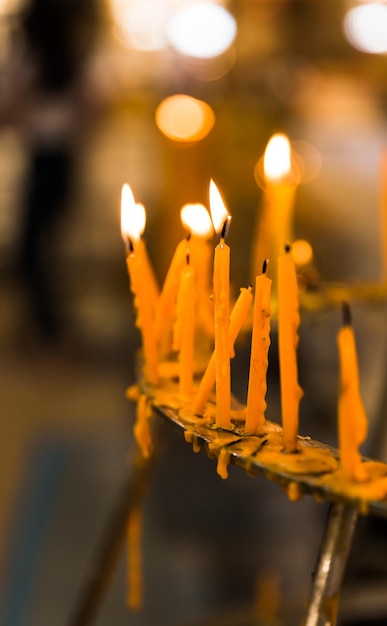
(138,244)
(260,342)
(132,225)
(184,328)
(166,304)
(237,318)
(288,323)
(276,222)
(221,283)
(197,220)
(352,419)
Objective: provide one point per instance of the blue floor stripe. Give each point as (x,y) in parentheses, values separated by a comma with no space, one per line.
(44,473)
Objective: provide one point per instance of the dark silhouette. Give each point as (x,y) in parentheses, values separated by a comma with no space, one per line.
(53,106)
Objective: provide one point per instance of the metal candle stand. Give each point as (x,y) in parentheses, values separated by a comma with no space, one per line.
(334,549)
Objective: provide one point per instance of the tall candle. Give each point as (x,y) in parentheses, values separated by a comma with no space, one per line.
(166,304)
(237,319)
(288,324)
(352,419)
(221,284)
(184,328)
(138,244)
(276,221)
(132,225)
(196,218)
(260,342)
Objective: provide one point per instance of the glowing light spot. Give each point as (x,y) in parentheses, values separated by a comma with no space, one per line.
(183,118)
(276,161)
(302,252)
(133,216)
(197,219)
(365,27)
(201,29)
(141,25)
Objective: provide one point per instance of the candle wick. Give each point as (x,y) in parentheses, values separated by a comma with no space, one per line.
(189,235)
(346,313)
(225,228)
(130,246)
(264,266)
(187,258)
(287,247)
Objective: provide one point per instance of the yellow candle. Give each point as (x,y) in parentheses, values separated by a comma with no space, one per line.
(132,224)
(144,319)
(184,328)
(237,318)
(166,304)
(139,247)
(276,222)
(260,342)
(221,283)
(352,419)
(288,323)
(197,220)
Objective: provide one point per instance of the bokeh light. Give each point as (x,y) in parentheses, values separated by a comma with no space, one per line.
(141,25)
(365,27)
(201,29)
(302,252)
(184,119)
(276,160)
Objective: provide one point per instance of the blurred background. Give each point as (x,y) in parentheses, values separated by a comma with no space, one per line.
(166,95)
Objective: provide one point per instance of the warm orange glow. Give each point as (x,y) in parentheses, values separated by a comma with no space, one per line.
(302,252)
(277,159)
(133,215)
(183,118)
(219,213)
(197,220)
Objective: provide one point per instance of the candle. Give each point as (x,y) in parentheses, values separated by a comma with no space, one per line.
(288,323)
(138,244)
(352,419)
(196,218)
(221,279)
(276,222)
(260,342)
(132,226)
(184,328)
(237,318)
(166,304)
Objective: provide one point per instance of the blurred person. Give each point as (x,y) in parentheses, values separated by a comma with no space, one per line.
(49,101)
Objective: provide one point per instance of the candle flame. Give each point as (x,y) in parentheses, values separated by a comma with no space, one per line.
(277,159)
(219,213)
(133,216)
(197,219)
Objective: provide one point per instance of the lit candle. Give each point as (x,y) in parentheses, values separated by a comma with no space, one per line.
(138,244)
(260,342)
(352,419)
(276,222)
(184,328)
(237,319)
(288,323)
(197,220)
(132,226)
(221,282)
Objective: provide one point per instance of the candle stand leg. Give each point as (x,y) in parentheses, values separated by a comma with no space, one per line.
(334,551)
(112,541)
